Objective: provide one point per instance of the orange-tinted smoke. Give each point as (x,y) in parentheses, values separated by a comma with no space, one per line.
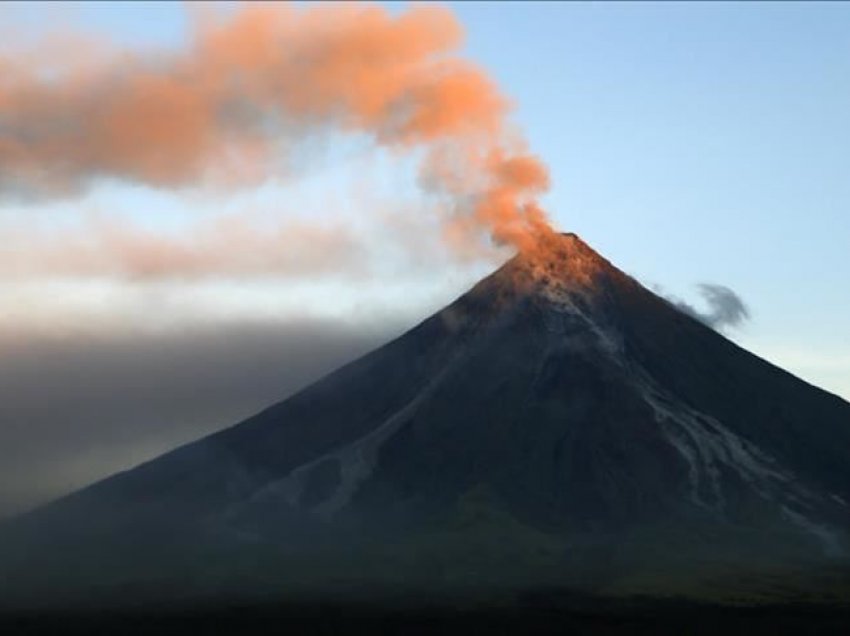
(250,86)
(225,247)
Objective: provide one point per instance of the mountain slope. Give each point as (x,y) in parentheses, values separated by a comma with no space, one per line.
(611,436)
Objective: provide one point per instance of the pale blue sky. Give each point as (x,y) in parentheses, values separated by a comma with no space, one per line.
(687,142)
(698,141)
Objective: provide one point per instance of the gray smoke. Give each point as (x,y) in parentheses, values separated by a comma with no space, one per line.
(724,308)
(76,409)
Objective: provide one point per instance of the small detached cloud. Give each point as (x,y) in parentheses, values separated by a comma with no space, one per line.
(724,308)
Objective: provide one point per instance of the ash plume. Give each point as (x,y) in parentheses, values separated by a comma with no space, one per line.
(233,106)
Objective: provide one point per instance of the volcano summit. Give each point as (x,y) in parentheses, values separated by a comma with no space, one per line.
(559,424)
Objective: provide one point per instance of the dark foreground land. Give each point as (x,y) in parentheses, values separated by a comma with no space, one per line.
(543,614)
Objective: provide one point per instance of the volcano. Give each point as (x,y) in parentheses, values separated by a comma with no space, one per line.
(559,424)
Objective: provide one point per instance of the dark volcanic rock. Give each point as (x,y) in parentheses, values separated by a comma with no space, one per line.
(558,424)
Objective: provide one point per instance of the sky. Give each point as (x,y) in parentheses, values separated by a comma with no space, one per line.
(689,143)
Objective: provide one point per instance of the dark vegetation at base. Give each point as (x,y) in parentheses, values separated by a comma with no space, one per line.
(548,613)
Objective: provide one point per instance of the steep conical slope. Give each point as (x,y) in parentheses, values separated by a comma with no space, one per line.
(605,432)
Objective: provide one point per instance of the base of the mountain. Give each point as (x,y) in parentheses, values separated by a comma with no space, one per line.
(538,612)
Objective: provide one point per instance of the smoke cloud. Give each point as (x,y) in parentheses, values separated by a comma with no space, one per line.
(79,406)
(232,108)
(228,246)
(724,307)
